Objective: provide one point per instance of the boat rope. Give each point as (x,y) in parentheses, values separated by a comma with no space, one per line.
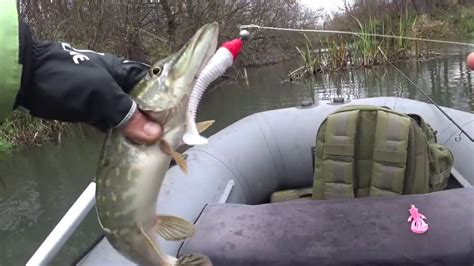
(360,34)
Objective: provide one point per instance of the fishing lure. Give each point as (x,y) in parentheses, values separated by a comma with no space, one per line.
(418,225)
(217,65)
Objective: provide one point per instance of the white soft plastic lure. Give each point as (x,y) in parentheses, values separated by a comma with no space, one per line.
(217,65)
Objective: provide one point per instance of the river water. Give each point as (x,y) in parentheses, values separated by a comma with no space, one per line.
(43,182)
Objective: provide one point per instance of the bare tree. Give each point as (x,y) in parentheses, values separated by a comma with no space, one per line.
(147,29)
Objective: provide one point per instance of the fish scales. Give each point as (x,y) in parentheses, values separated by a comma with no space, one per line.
(130,175)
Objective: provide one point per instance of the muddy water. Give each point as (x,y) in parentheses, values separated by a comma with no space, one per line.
(43,182)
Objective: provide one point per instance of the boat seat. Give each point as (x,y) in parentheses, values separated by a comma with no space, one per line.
(364,231)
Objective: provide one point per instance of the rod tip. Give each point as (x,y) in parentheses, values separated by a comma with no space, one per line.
(244,35)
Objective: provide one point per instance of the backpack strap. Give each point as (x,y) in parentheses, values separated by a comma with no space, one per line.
(428,131)
(439,158)
(389,154)
(334,171)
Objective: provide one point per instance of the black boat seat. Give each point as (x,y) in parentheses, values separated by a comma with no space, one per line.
(363,231)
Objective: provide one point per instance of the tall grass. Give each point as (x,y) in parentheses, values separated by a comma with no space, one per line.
(23,129)
(337,55)
(461,18)
(401,48)
(331,56)
(363,50)
(310,61)
(368,45)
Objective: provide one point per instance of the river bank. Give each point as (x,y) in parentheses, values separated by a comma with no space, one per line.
(22,130)
(318,53)
(147,31)
(392,36)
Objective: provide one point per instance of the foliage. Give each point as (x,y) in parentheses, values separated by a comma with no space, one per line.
(416,19)
(310,62)
(148,30)
(460,17)
(23,129)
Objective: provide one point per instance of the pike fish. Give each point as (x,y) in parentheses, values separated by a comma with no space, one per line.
(129,175)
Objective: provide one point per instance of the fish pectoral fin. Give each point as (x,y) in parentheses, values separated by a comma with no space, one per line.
(194,259)
(177,157)
(202,126)
(180,161)
(173,228)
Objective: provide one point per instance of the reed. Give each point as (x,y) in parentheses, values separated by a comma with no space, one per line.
(338,54)
(307,54)
(362,50)
(23,129)
(367,44)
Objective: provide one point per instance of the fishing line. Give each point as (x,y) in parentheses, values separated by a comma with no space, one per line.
(458,138)
(360,34)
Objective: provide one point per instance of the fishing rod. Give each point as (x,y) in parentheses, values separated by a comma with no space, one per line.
(360,34)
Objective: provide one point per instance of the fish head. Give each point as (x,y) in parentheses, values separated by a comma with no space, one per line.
(167,86)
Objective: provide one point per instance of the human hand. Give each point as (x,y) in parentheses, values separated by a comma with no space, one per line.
(142,130)
(67,84)
(87,87)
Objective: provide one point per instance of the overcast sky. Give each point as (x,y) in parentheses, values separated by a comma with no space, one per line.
(328,5)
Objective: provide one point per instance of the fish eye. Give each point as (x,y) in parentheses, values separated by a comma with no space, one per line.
(155,71)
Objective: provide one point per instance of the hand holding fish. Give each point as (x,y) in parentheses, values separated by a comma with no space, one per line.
(130,175)
(140,129)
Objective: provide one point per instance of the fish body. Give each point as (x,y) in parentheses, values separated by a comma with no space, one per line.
(129,175)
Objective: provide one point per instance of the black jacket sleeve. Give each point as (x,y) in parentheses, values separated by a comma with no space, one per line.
(75,85)
(25,59)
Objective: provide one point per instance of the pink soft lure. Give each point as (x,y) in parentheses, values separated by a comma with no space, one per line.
(418,225)
(217,65)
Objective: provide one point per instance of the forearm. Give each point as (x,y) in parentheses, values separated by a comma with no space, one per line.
(55,81)
(79,86)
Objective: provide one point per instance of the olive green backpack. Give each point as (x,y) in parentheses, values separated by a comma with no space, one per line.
(364,151)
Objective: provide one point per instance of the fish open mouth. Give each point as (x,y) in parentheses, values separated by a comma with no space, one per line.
(194,56)
(170,81)
(202,44)
(210,52)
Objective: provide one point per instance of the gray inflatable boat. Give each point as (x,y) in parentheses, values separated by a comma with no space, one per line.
(230,181)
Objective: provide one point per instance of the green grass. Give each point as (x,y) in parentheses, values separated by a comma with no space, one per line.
(363,50)
(309,60)
(5,146)
(462,18)
(337,55)
(332,56)
(367,44)
(308,57)
(22,129)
